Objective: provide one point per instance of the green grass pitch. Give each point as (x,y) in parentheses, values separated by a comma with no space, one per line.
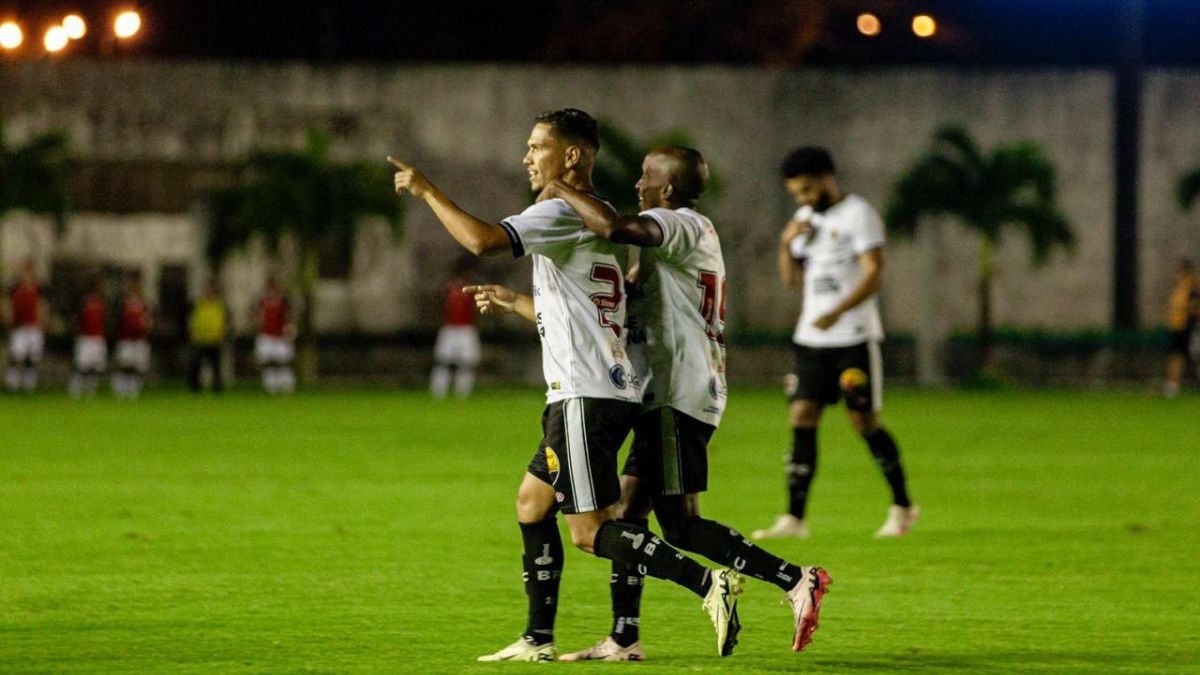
(374,532)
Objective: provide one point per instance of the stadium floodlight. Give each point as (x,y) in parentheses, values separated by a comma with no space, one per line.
(75,26)
(11,35)
(869,24)
(127,24)
(56,39)
(923,26)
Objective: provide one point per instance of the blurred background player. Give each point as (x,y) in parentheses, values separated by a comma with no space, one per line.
(1183,315)
(457,344)
(274,349)
(91,343)
(133,346)
(833,246)
(206,328)
(26,341)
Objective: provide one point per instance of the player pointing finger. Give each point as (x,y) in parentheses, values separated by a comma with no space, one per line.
(408,178)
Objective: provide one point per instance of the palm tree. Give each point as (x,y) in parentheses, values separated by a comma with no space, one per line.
(1012,186)
(1188,188)
(305,196)
(36,177)
(619,165)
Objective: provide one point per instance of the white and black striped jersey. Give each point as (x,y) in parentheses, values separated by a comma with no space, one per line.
(682,282)
(579,299)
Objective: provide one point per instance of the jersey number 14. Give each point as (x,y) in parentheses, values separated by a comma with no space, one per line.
(712,305)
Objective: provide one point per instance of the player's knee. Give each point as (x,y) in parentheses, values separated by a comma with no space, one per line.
(530,509)
(804,414)
(865,423)
(584,539)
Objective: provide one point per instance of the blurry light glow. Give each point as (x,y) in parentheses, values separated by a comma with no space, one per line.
(11,35)
(56,39)
(924,26)
(75,26)
(868,24)
(127,24)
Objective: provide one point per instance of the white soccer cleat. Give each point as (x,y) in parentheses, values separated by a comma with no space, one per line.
(805,599)
(786,525)
(721,605)
(899,521)
(608,650)
(522,650)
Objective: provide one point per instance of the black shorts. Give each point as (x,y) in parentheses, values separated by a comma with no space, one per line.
(1181,342)
(670,453)
(578,453)
(828,374)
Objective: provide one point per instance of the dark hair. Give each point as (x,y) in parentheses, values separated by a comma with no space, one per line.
(572,124)
(807,161)
(689,172)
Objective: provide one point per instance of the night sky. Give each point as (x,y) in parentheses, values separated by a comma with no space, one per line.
(780,33)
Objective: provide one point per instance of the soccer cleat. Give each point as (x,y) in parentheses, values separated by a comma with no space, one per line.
(805,598)
(899,521)
(608,650)
(721,605)
(786,525)
(523,650)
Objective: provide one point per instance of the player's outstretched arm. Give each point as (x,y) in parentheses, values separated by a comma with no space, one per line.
(497,299)
(602,219)
(475,235)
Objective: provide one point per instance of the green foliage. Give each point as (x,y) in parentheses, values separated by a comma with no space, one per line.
(1188,189)
(299,193)
(37,176)
(372,532)
(619,165)
(1013,186)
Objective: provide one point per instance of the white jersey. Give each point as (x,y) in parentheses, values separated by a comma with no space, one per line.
(682,308)
(579,300)
(840,235)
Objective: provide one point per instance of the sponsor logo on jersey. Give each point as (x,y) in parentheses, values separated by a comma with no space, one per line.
(618,376)
(552,465)
(715,389)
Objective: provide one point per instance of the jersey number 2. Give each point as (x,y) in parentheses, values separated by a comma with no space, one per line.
(607,303)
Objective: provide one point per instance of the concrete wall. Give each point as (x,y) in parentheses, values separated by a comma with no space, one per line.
(465,125)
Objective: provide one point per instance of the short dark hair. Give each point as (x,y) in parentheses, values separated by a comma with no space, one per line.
(807,161)
(572,124)
(689,172)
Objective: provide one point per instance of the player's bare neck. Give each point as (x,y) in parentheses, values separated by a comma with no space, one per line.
(579,180)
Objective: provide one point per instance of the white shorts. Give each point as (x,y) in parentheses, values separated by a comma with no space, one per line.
(272,349)
(91,353)
(26,343)
(133,355)
(457,345)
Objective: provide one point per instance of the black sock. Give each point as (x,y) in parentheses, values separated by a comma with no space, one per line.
(887,456)
(634,545)
(543,564)
(625,586)
(726,546)
(801,468)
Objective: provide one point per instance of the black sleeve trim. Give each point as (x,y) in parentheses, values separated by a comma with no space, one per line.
(513,238)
